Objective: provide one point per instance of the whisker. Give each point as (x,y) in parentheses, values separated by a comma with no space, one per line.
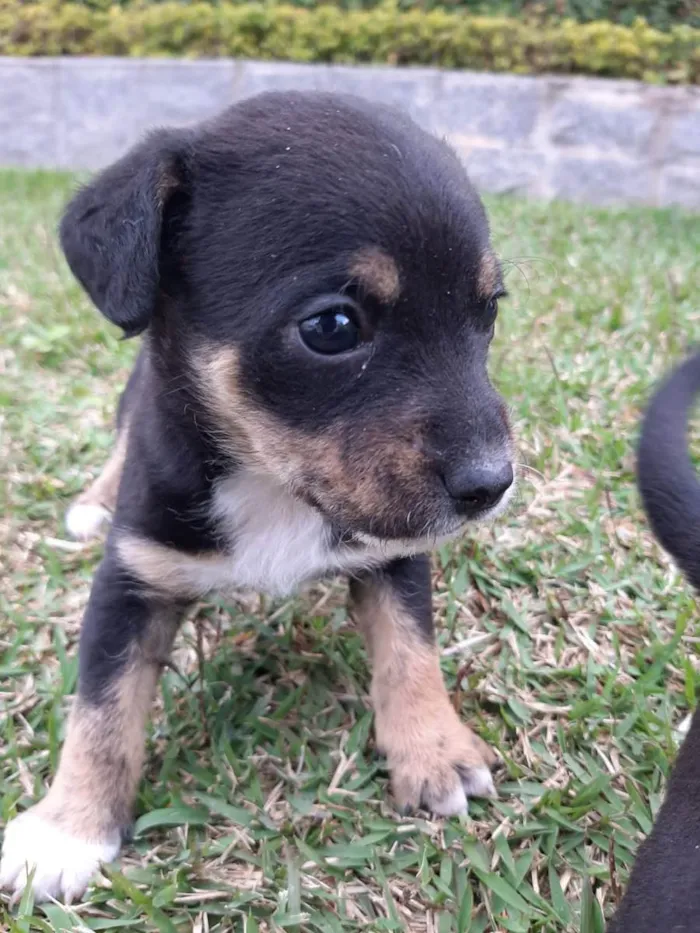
(530,469)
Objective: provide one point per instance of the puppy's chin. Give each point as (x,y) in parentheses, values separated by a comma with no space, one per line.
(430,537)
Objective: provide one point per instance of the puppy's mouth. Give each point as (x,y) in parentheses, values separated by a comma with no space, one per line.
(446,525)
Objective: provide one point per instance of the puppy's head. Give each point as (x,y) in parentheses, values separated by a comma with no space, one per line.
(321,272)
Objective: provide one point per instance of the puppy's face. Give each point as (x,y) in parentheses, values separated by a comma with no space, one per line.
(324,273)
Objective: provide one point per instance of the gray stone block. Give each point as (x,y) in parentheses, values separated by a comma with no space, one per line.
(680,187)
(502,171)
(684,138)
(498,107)
(109,104)
(597,143)
(258,77)
(602,181)
(29,118)
(584,123)
(412,89)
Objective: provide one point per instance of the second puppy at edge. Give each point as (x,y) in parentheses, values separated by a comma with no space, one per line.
(317,292)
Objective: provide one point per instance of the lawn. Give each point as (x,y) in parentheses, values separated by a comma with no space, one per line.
(567,637)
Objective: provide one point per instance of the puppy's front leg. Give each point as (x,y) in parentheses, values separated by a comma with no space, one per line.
(125,638)
(435,761)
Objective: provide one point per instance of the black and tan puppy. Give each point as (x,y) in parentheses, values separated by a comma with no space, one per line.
(664,890)
(317,293)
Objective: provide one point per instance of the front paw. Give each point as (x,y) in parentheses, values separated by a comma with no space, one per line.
(439,766)
(63,864)
(87,520)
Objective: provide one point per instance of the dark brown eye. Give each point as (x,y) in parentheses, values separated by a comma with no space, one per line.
(331,325)
(330,332)
(491,312)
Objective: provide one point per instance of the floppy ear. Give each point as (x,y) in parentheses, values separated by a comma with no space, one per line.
(111,231)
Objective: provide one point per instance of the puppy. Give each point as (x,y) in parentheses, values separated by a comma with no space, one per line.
(317,293)
(664,889)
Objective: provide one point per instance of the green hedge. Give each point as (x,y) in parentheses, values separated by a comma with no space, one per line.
(661,14)
(385,34)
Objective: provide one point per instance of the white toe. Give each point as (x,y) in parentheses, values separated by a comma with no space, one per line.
(455,802)
(85,520)
(63,865)
(475,782)
(478,782)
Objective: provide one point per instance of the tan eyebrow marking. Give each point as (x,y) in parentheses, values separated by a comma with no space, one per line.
(489,280)
(377,272)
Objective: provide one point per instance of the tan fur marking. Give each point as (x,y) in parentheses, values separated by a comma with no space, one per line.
(489,275)
(166,570)
(416,726)
(167,183)
(265,445)
(246,431)
(93,791)
(377,272)
(103,491)
(366,481)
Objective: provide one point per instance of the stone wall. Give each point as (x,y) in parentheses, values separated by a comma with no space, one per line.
(596,141)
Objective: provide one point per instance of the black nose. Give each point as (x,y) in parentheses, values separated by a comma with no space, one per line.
(476,487)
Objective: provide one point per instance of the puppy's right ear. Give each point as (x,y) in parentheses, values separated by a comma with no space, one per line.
(111,230)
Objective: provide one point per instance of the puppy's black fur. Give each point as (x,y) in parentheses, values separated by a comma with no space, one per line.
(240,226)
(317,292)
(664,889)
(667,479)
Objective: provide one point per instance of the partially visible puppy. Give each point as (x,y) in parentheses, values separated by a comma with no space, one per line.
(664,889)
(317,290)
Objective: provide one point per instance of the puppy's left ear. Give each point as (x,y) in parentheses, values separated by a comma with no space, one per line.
(111,230)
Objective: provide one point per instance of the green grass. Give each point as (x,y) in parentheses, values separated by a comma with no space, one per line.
(567,638)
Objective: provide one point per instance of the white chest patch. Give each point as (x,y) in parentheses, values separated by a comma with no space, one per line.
(277,542)
(272,542)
